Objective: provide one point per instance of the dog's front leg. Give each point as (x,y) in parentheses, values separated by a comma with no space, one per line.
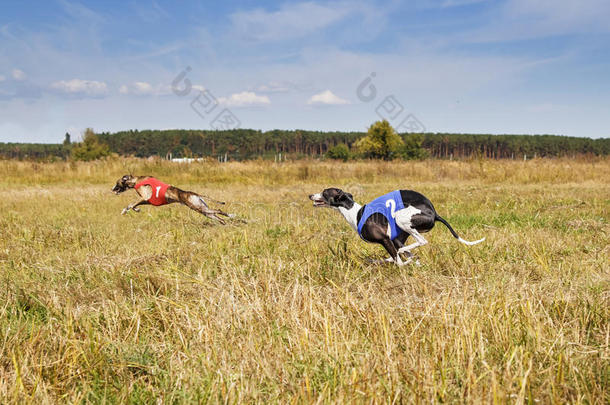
(134,206)
(143,202)
(382,261)
(389,246)
(399,245)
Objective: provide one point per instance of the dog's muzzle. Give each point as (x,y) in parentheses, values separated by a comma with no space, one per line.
(318,200)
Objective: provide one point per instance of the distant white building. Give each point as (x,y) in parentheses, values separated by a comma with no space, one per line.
(186,160)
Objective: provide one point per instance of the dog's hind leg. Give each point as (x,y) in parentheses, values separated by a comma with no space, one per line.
(216,217)
(215,212)
(410,221)
(210,213)
(196,203)
(419,241)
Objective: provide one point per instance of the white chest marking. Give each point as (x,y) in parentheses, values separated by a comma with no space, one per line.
(145,191)
(351,215)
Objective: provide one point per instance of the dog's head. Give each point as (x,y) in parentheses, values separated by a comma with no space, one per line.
(123,184)
(332,198)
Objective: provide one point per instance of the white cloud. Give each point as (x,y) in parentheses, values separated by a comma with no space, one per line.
(276,87)
(2,78)
(142,88)
(145,89)
(19,75)
(81,87)
(244,99)
(326,97)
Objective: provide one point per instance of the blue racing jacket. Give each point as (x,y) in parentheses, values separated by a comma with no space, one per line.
(387,205)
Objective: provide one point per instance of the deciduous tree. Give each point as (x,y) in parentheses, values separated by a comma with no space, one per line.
(380,142)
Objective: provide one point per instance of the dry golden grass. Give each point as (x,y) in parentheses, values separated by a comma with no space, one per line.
(168,306)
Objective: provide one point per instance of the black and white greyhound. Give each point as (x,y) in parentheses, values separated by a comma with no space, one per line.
(388,220)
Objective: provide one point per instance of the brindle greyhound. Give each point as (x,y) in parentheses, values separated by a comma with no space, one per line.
(154,192)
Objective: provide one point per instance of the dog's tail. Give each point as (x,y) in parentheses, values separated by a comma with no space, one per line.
(454,233)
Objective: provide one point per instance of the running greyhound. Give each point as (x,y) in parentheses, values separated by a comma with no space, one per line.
(388,220)
(154,192)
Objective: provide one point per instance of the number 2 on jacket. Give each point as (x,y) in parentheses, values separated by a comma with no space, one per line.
(391,203)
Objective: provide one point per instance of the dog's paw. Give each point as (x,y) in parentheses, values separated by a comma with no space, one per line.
(136,209)
(124,211)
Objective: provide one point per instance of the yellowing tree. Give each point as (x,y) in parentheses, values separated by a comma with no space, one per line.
(90,148)
(380,142)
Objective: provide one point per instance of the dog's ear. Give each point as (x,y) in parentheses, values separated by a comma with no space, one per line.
(344,196)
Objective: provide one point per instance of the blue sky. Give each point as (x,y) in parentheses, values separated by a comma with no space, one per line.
(476,66)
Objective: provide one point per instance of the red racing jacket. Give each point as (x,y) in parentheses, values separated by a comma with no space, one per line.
(158,190)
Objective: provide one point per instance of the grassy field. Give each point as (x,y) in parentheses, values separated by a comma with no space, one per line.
(166,306)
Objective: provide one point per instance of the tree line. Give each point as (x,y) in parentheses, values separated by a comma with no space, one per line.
(242,144)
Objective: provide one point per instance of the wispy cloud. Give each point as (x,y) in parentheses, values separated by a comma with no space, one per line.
(291,20)
(150,11)
(276,87)
(18,86)
(430,54)
(244,99)
(525,19)
(460,3)
(569,14)
(80,12)
(80,87)
(145,89)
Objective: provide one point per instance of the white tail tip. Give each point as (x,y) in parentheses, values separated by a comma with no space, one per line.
(465,242)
